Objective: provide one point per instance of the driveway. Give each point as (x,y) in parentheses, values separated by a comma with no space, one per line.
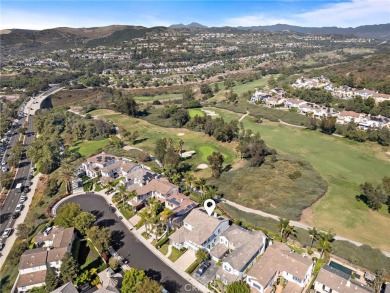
(186,260)
(128,245)
(208,275)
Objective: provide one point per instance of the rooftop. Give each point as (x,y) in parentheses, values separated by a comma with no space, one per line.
(32,278)
(33,258)
(340,281)
(277,258)
(202,225)
(101,158)
(67,288)
(162,186)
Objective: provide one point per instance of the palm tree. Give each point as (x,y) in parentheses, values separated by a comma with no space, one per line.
(325,243)
(189,178)
(65,174)
(285,229)
(164,216)
(325,246)
(145,216)
(122,191)
(313,235)
(201,183)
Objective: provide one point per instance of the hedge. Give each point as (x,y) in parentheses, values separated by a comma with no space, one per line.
(162,241)
(192,267)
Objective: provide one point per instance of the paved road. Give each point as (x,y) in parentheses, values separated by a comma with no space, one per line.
(21,176)
(128,245)
(24,167)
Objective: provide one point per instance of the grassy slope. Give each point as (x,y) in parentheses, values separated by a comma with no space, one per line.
(194,112)
(158,97)
(149,134)
(87,148)
(344,164)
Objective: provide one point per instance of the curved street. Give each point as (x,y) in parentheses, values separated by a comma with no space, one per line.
(128,246)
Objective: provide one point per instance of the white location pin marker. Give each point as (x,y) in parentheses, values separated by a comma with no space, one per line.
(209,206)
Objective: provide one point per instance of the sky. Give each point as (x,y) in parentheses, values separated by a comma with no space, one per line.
(38,15)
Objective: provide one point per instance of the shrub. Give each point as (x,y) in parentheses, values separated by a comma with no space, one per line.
(192,267)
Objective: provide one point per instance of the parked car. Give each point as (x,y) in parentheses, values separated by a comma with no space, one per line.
(1,246)
(23,198)
(112,209)
(15,215)
(7,232)
(203,267)
(4,169)
(19,208)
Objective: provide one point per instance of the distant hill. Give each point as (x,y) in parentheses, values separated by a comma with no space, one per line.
(191,25)
(377,31)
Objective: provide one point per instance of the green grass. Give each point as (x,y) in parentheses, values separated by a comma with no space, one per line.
(127,212)
(344,164)
(145,235)
(164,249)
(175,254)
(195,112)
(158,97)
(87,148)
(202,144)
(88,256)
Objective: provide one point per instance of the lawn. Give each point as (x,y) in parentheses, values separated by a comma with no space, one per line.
(194,112)
(158,97)
(150,133)
(127,212)
(175,254)
(164,249)
(89,147)
(88,257)
(344,164)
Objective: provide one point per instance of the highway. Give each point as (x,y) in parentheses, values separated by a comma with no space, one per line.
(24,167)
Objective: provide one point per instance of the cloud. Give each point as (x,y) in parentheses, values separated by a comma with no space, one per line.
(343,14)
(258,19)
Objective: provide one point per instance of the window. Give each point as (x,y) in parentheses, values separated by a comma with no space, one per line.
(257,286)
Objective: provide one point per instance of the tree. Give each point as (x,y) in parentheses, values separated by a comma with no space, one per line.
(188,94)
(113,263)
(201,255)
(52,187)
(23,231)
(386,184)
(285,229)
(66,215)
(84,221)
(65,175)
(313,235)
(52,281)
(161,149)
(69,268)
(238,287)
(377,285)
(328,124)
(216,161)
(148,285)
(216,88)
(325,243)
(131,279)
(172,157)
(7,179)
(374,195)
(100,237)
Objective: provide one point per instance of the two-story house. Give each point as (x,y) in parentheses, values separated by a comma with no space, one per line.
(279,261)
(119,168)
(32,269)
(346,117)
(332,280)
(159,188)
(53,244)
(241,248)
(94,164)
(294,103)
(180,205)
(199,231)
(140,177)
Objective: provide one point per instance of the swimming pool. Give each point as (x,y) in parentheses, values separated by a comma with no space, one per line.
(344,269)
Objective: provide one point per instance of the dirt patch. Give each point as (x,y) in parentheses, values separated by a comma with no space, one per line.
(39,191)
(307,216)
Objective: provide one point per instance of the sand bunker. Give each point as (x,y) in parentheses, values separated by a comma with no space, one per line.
(202,166)
(187,154)
(180,134)
(210,113)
